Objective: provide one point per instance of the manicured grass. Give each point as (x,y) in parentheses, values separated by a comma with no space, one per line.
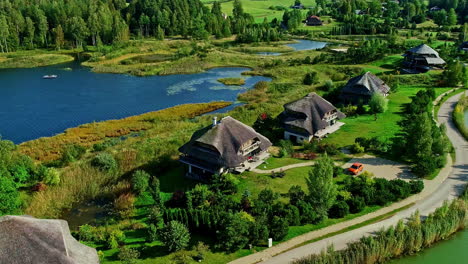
(232,81)
(386,124)
(459,116)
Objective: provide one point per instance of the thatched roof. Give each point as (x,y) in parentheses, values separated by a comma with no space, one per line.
(423,49)
(366,85)
(311,109)
(27,240)
(225,139)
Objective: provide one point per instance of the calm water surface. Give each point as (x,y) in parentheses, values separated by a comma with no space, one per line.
(452,251)
(32,107)
(303,44)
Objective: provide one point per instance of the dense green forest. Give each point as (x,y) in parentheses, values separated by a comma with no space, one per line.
(73,23)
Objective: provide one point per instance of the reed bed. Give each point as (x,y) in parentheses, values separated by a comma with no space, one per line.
(49,149)
(459,116)
(403,239)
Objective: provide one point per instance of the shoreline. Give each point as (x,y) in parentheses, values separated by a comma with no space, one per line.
(47,149)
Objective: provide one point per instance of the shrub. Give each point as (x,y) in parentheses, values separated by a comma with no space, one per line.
(51,176)
(296,194)
(72,153)
(416,186)
(357,148)
(175,236)
(308,214)
(124,205)
(286,148)
(233,232)
(310,78)
(279,227)
(152,233)
(329,85)
(115,237)
(140,181)
(279,174)
(104,161)
(128,255)
(226,183)
(356,204)
(86,233)
(182,257)
(339,210)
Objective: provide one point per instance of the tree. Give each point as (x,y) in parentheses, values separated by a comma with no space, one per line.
(155,191)
(78,29)
(233,232)
(452,17)
(175,236)
(30,32)
(279,227)
(322,189)
(454,74)
(59,37)
(140,181)
(9,196)
(4,33)
(238,10)
(378,104)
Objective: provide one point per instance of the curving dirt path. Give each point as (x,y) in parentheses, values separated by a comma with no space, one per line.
(447,186)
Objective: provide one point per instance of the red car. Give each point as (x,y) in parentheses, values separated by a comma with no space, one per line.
(356,168)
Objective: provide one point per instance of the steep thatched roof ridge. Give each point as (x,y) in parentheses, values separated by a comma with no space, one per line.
(28,240)
(366,84)
(226,137)
(314,108)
(423,49)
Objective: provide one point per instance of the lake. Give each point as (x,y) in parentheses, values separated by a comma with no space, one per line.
(453,251)
(302,44)
(32,107)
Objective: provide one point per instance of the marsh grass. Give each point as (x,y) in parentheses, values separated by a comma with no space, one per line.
(48,149)
(232,81)
(31,59)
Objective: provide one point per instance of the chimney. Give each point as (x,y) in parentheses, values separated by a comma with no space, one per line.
(215,121)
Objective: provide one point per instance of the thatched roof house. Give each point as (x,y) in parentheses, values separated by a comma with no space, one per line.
(362,87)
(314,21)
(422,58)
(27,240)
(228,145)
(309,117)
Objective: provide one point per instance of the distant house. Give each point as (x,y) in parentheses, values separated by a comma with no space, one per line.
(362,87)
(309,117)
(435,9)
(313,21)
(360,12)
(422,58)
(224,146)
(28,240)
(298,6)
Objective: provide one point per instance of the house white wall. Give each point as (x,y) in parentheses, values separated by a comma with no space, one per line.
(299,138)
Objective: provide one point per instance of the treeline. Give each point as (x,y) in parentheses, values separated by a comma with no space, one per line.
(59,23)
(403,239)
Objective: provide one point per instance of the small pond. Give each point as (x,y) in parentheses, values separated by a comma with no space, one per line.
(32,107)
(302,44)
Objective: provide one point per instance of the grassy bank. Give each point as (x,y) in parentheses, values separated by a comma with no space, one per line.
(48,149)
(459,116)
(31,59)
(232,81)
(401,240)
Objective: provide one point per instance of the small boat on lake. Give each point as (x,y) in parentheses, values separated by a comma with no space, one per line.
(49,77)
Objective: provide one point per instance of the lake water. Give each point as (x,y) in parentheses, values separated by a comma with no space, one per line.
(302,44)
(452,251)
(32,107)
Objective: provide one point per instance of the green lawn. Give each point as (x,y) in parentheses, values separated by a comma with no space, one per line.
(386,124)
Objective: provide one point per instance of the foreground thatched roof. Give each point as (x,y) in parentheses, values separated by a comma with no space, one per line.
(366,84)
(313,109)
(423,49)
(27,240)
(225,139)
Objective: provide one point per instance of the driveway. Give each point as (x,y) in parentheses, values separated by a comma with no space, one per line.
(383,168)
(447,186)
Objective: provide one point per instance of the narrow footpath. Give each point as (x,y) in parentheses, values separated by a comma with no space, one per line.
(448,185)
